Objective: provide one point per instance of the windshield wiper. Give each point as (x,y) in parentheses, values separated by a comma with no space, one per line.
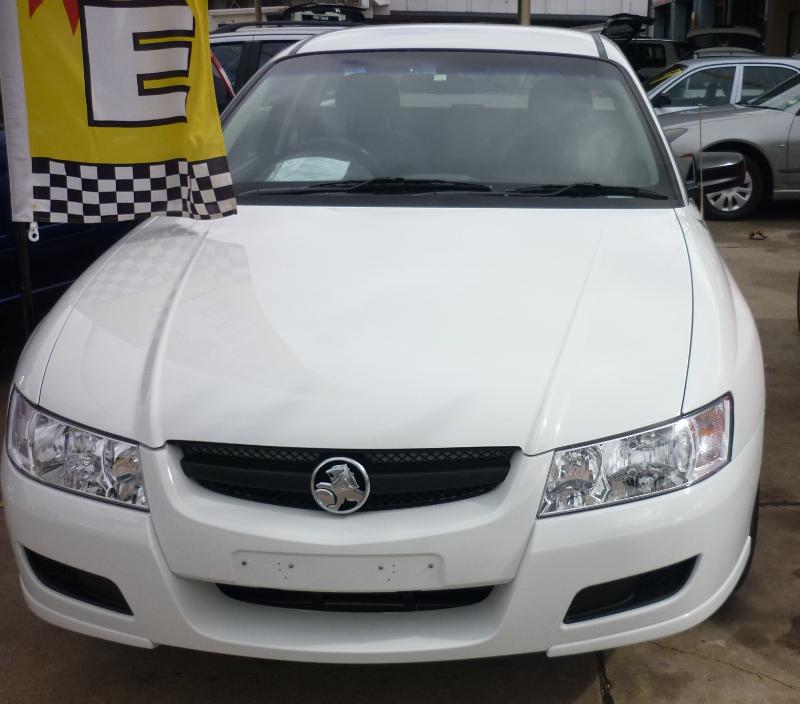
(391,185)
(374,185)
(743,104)
(583,190)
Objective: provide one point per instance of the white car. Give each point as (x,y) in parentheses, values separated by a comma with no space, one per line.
(465,376)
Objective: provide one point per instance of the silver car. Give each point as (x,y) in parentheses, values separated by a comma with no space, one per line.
(766,132)
(725,80)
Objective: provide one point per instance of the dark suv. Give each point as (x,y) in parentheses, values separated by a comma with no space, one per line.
(244,48)
(649,57)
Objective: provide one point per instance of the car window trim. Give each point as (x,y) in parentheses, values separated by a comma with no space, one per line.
(601,49)
(736,91)
(230,39)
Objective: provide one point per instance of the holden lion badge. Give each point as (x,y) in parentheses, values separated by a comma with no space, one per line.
(340,485)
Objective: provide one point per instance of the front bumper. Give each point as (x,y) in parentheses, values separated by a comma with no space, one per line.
(166,564)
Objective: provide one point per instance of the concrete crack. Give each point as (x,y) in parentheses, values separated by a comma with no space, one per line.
(602,677)
(699,656)
(779,504)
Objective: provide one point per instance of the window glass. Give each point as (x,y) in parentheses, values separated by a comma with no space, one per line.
(757,80)
(485,117)
(645,55)
(711,86)
(269,49)
(221,94)
(784,96)
(230,56)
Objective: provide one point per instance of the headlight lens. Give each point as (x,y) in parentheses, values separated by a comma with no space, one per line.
(69,457)
(636,466)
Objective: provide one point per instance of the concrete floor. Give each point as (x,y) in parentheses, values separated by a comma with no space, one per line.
(749,651)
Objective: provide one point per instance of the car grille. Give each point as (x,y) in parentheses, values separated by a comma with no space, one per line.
(358,602)
(399,478)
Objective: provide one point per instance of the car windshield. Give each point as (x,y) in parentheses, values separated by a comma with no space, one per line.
(429,121)
(781,97)
(666,74)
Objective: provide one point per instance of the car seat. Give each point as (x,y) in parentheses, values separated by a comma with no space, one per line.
(367,107)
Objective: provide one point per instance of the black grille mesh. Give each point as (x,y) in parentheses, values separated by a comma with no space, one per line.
(357,602)
(399,478)
(248,452)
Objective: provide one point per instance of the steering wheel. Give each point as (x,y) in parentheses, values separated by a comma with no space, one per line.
(330,147)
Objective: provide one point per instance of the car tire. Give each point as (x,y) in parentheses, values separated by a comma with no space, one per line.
(738,203)
(753,534)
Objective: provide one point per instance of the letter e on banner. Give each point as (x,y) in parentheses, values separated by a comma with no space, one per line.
(131,62)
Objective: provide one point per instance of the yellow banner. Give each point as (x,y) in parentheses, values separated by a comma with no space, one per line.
(121,116)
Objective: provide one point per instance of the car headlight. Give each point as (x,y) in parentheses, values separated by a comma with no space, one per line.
(643,464)
(67,456)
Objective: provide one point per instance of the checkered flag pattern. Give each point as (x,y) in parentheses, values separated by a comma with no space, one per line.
(69,191)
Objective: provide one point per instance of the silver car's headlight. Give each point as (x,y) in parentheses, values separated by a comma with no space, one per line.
(67,456)
(643,464)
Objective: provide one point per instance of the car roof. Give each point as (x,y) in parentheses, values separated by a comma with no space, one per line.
(305,29)
(482,37)
(653,40)
(740,59)
(722,31)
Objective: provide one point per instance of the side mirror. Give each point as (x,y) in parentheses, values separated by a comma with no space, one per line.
(721,171)
(662,100)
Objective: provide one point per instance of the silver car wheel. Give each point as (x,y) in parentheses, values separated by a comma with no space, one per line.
(733,199)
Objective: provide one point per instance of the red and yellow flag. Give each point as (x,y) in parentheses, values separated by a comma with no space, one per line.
(110,111)
(71,7)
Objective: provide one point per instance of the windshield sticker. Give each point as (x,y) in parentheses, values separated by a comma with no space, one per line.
(310,168)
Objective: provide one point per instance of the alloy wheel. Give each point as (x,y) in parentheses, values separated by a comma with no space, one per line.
(733,199)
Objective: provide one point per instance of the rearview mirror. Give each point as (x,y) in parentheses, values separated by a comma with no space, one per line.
(662,100)
(720,171)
